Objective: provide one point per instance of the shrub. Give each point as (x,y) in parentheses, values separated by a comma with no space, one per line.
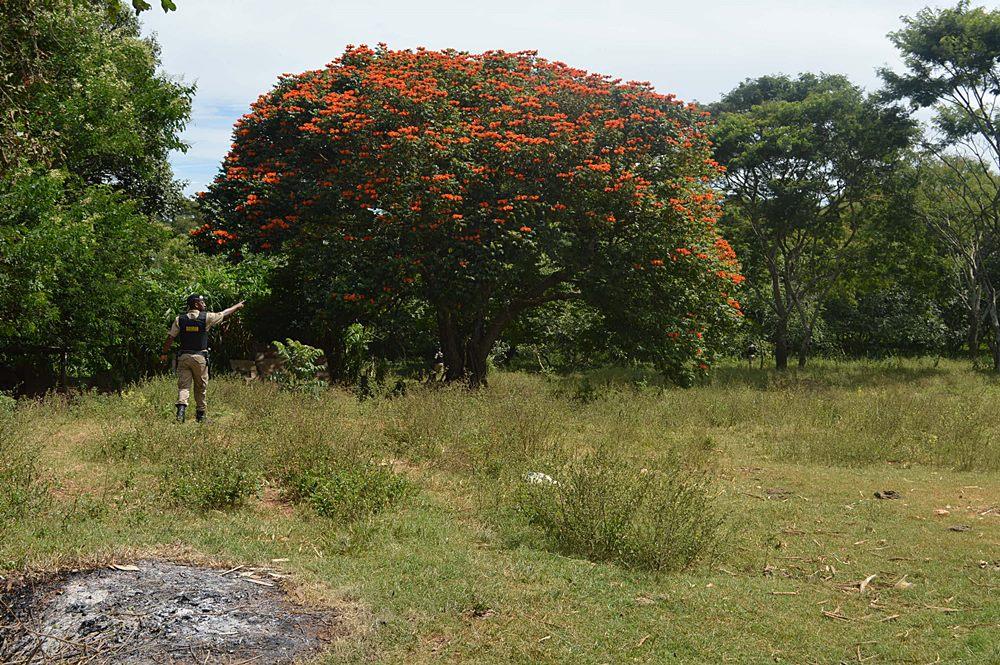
(362,369)
(604,509)
(7,405)
(300,364)
(349,493)
(324,464)
(206,476)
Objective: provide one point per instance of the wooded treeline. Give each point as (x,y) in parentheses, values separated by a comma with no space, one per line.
(860,232)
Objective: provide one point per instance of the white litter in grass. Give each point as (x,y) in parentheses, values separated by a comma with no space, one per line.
(539,478)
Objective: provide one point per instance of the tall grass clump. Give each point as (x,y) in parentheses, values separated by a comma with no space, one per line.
(347,493)
(152,440)
(24,491)
(603,508)
(514,426)
(483,433)
(324,464)
(902,424)
(211,475)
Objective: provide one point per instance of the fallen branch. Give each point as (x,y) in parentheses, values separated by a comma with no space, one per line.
(835,614)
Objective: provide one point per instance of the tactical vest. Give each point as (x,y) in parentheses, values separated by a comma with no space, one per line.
(193,337)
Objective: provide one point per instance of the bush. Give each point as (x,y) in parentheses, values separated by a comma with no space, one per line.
(604,509)
(361,368)
(300,365)
(324,464)
(349,493)
(206,476)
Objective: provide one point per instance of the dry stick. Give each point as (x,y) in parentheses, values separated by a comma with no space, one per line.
(96,644)
(31,656)
(835,615)
(255,581)
(864,584)
(58,639)
(84,662)
(860,659)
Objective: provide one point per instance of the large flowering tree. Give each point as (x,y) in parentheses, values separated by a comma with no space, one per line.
(483,186)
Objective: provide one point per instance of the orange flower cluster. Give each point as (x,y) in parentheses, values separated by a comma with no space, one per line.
(447,161)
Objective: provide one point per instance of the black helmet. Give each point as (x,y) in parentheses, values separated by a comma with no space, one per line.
(193,300)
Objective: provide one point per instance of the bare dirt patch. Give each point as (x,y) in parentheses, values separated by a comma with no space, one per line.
(158,612)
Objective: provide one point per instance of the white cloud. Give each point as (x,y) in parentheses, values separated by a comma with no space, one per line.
(235,49)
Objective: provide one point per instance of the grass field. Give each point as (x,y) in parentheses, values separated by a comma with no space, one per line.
(757,537)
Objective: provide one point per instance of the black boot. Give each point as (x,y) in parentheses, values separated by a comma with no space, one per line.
(200,416)
(181,408)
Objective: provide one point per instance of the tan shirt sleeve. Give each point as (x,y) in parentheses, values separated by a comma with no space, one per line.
(213,319)
(175,328)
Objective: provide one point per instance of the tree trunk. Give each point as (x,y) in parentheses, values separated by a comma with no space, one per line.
(332,343)
(476,365)
(994,319)
(780,311)
(804,348)
(454,355)
(466,341)
(975,317)
(465,354)
(781,344)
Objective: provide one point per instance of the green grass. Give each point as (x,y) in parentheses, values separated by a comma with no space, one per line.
(413,516)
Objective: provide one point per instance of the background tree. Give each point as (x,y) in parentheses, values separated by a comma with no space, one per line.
(952,60)
(86,124)
(957,209)
(809,162)
(484,186)
(82,92)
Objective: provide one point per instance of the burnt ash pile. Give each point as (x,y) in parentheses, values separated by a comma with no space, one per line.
(157,612)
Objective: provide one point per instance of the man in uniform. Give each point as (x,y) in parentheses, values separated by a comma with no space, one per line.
(191,331)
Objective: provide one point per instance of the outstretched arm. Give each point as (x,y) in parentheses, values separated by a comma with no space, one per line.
(238,306)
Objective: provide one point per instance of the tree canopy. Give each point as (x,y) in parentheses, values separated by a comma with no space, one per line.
(84,95)
(809,164)
(952,63)
(485,185)
(86,125)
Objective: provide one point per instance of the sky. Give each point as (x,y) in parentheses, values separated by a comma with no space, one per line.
(234,50)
